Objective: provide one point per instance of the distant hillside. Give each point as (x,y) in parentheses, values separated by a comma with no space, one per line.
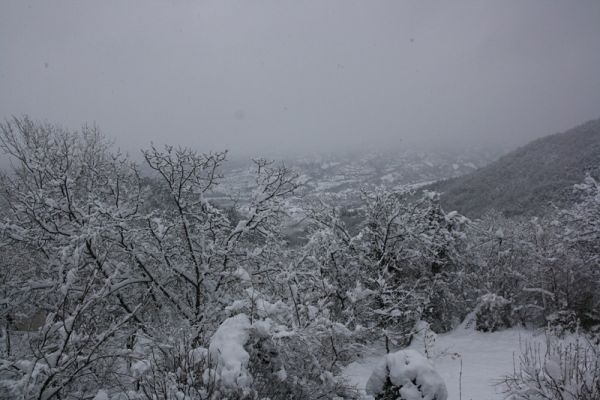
(530,179)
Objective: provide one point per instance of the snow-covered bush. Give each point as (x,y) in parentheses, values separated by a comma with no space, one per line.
(582,240)
(295,349)
(411,250)
(565,370)
(406,375)
(544,265)
(493,313)
(562,322)
(174,371)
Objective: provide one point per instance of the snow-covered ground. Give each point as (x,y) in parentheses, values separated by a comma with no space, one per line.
(486,358)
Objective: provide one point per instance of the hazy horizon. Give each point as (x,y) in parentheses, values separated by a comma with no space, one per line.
(293,77)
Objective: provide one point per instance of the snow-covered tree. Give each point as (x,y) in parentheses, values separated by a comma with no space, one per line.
(67,197)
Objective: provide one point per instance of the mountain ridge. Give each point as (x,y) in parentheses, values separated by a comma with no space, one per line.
(530,180)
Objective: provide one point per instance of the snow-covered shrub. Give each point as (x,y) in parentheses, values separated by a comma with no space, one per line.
(411,251)
(292,367)
(493,313)
(544,265)
(244,359)
(565,370)
(294,350)
(562,322)
(175,372)
(447,306)
(406,375)
(594,334)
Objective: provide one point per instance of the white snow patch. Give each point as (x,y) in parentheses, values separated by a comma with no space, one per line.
(358,293)
(140,367)
(101,395)
(281,374)
(227,351)
(197,355)
(242,274)
(388,178)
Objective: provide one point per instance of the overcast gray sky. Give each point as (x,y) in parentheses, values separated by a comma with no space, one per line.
(303,75)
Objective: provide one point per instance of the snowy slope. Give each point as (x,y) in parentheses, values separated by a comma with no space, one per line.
(529,181)
(486,358)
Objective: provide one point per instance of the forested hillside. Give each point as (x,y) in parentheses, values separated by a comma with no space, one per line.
(531,180)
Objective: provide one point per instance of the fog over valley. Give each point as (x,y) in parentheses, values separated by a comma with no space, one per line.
(288,76)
